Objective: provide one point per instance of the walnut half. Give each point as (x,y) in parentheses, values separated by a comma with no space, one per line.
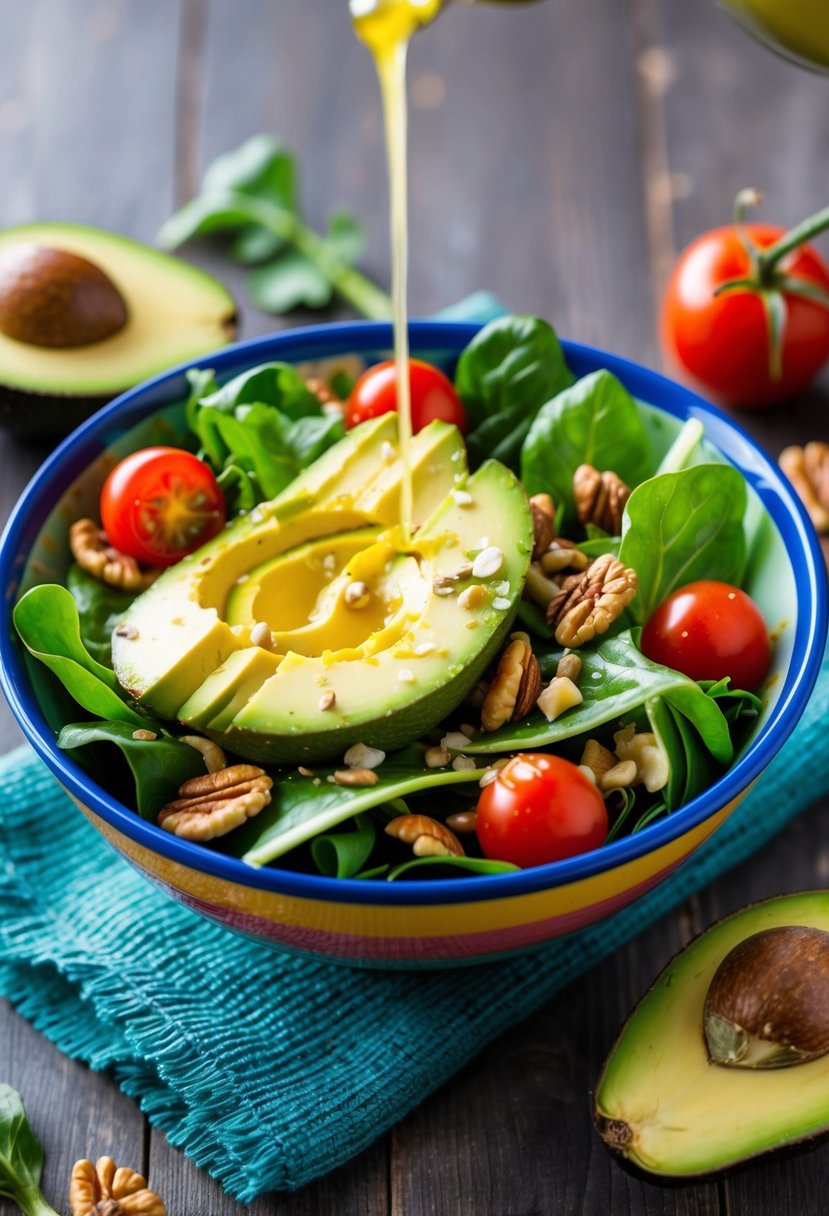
(94,554)
(216,803)
(105,1189)
(588,603)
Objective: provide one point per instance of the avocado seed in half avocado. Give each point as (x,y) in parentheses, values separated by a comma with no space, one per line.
(725,1057)
(86,314)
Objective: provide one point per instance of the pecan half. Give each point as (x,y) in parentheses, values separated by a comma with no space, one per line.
(808,471)
(544,523)
(600,498)
(561,555)
(216,803)
(428,837)
(588,603)
(105,1189)
(515,687)
(94,554)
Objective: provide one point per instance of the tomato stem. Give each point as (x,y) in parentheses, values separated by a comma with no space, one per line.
(801,233)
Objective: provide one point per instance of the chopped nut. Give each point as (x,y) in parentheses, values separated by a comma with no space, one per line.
(305,772)
(473,597)
(261,635)
(452,576)
(600,498)
(463,822)
(597,758)
(355,777)
(94,554)
(105,1189)
(570,666)
(466,728)
(126,631)
(488,562)
(514,688)
(428,837)
(808,471)
(544,523)
(144,735)
(563,555)
(454,741)
(462,498)
(356,595)
(463,764)
(619,777)
(560,695)
(361,756)
(213,805)
(214,757)
(538,588)
(587,604)
(500,604)
(327,701)
(437,757)
(647,753)
(487,777)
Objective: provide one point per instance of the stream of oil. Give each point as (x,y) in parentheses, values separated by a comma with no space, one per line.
(386,27)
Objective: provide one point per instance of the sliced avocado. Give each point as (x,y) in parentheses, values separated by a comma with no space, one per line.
(397,657)
(57,369)
(664,1105)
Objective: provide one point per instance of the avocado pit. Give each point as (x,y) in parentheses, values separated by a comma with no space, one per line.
(768,1002)
(55,299)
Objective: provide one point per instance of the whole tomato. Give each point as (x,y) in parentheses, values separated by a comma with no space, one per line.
(433,396)
(762,338)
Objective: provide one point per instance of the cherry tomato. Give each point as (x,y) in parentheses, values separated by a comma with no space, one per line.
(722,342)
(709,630)
(433,396)
(540,808)
(159,504)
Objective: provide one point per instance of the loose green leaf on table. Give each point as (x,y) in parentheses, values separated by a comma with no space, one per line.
(21,1157)
(252,193)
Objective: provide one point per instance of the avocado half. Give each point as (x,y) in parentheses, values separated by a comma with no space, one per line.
(311,623)
(173,312)
(665,1106)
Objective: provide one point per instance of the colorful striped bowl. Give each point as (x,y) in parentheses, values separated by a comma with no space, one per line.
(425,923)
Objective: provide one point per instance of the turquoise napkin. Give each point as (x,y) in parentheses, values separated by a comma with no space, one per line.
(263,1067)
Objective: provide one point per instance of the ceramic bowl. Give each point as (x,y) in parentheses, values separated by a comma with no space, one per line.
(435,922)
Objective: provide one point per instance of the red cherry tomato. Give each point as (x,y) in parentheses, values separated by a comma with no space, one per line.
(159,504)
(540,808)
(722,342)
(709,630)
(433,396)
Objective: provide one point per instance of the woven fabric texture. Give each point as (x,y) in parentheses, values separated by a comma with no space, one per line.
(268,1069)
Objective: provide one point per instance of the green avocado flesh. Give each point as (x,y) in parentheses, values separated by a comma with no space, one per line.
(665,1107)
(175,312)
(194,646)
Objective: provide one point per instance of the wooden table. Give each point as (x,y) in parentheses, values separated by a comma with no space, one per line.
(561,156)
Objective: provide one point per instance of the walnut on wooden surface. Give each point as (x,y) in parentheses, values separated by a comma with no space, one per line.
(514,688)
(215,804)
(600,498)
(105,1189)
(588,603)
(428,837)
(808,471)
(94,554)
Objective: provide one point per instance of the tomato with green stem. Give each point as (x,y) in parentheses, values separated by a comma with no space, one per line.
(433,396)
(161,503)
(540,808)
(746,311)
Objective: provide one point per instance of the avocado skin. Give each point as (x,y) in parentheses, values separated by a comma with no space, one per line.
(31,415)
(701,957)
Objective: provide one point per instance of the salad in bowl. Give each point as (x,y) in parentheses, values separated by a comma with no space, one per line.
(413,706)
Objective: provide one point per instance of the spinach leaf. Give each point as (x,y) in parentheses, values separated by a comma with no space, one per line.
(159,766)
(467,865)
(504,376)
(21,1157)
(47,620)
(616,681)
(595,421)
(252,192)
(343,854)
(100,608)
(684,526)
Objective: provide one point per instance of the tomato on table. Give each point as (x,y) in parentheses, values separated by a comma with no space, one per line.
(749,325)
(433,396)
(161,503)
(540,808)
(709,630)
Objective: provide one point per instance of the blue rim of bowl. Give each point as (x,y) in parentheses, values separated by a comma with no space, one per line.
(75,453)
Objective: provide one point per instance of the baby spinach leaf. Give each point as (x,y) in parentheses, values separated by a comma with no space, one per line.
(159,766)
(467,865)
(664,725)
(595,421)
(684,526)
(21,1157)
(100,608)
(47,620)
(627,799)
(343,854)
(504,376)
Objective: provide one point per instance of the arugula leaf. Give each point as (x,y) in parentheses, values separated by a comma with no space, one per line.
(252,192)
(684,526)
(504,376)
(343,854)
(21,1157)
(159,766)
(100,608)
(595,421)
